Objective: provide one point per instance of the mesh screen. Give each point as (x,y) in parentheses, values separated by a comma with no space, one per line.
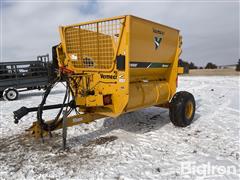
(93,45)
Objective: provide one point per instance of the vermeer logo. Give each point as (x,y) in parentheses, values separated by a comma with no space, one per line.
(157,38)
(104,76)
(157,41)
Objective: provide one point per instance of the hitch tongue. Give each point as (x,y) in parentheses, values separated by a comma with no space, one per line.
(18,114)
(23,111)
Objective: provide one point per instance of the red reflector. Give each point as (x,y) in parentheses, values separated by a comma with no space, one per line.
(107,99)
(64,70)
(177,81)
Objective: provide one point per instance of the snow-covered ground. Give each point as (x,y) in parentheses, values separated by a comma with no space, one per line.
(139,145)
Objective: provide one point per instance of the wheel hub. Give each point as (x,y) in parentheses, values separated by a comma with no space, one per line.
(12,94)
(189,109)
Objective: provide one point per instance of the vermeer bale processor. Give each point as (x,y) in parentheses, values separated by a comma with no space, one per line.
(114,66)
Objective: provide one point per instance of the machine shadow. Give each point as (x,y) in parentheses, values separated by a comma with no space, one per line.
(139,122)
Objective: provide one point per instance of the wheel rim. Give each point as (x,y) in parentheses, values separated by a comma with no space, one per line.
(12,94)
(189,109)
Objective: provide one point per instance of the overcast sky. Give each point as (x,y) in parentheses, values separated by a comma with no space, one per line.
(210,30)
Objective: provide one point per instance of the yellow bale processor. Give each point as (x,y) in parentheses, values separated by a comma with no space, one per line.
(114,66)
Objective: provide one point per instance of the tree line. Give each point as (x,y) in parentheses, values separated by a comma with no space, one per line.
(187,66)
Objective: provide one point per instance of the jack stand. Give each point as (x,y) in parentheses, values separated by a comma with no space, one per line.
(64,130)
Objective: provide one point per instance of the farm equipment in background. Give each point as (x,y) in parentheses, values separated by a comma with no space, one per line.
(19,76)
(114,66)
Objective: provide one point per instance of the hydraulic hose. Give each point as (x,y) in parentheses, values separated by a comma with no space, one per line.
(67,103)
(57,120)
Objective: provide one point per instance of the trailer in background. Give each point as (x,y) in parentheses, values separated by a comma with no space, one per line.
(21,76)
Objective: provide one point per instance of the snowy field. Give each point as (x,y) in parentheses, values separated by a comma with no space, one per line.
(139,145)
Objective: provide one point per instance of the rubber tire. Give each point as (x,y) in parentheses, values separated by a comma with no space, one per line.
(177,109)
(6,94)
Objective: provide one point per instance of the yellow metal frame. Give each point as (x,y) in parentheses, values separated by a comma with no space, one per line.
(36,131)
(174,70)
